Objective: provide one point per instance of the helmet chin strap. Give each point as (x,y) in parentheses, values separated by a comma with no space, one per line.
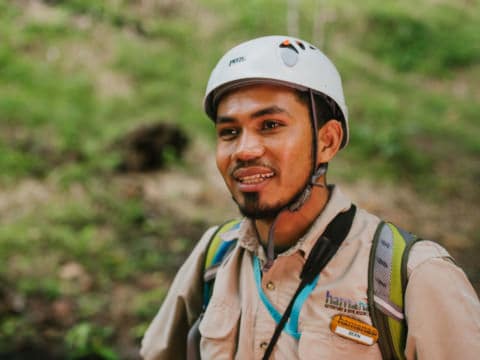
(307,191)
(299,201)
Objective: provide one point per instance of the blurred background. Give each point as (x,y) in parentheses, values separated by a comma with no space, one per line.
(107,176)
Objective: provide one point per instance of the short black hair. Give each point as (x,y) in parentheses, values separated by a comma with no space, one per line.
(326,108)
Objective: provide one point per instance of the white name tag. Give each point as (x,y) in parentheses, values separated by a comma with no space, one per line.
(354,335)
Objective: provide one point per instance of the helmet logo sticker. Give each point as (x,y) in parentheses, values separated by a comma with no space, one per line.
(236,60)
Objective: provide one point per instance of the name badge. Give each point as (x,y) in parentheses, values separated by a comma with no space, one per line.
(354,329)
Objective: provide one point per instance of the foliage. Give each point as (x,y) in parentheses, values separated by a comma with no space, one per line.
(84,339)
(409,43)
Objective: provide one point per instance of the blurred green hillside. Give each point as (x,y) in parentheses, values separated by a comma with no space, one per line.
(88,253)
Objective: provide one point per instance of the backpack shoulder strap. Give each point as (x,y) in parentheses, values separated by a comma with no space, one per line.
(387,280)
(217,250)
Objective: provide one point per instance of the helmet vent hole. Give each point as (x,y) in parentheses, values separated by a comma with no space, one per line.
(287,44)
(299,43)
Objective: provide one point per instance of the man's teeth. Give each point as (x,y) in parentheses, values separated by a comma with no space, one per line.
(254,179)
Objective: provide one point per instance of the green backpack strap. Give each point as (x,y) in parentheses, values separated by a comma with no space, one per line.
(387,281)
(219,247)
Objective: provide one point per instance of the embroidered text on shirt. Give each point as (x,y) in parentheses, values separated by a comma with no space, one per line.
(345,305)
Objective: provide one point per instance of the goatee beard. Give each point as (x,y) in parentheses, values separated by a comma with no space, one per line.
(253,210)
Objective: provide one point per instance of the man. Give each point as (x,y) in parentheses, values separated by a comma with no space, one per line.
(280,117)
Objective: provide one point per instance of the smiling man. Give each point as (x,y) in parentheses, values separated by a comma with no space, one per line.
(304,274)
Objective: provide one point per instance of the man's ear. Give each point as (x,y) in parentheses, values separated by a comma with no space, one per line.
(329,140)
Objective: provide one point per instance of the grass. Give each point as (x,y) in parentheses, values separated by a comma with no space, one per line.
(77,75)
(411,44)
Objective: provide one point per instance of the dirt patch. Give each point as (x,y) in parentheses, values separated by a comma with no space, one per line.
(401,205)
(24,198)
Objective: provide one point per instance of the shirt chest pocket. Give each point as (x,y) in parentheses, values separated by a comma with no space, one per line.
(219,330)
(321,343)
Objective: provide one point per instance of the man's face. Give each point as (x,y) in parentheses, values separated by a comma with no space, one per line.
(264,146)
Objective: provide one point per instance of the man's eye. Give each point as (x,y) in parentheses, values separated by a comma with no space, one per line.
(227,133)
(270,124)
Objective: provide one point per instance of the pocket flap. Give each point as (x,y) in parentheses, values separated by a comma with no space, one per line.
(219,321)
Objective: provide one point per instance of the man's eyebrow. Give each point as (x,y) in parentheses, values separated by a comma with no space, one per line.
(270,111)
(224,120)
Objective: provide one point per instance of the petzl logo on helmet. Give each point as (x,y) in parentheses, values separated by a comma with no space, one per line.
(236,60)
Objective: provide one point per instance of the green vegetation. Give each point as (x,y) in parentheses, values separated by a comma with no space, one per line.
(86,258)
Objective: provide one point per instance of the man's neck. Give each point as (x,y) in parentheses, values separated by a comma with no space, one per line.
(291,226)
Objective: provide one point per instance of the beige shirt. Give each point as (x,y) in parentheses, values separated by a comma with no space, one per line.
(441,307)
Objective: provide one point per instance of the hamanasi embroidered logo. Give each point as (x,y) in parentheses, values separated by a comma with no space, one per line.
(345,305)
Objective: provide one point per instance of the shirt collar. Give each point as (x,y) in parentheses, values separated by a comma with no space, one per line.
(337,203)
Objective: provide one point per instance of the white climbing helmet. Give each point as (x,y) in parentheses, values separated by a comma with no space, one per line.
(282,60)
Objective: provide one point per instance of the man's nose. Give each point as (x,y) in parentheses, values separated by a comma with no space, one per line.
(249,147)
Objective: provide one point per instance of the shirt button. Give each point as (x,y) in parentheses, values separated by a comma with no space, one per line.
(270,286)
(263,345)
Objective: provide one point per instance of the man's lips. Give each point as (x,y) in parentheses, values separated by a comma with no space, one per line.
(252,175)
(255,179)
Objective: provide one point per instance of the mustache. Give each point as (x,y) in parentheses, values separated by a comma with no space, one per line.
(250,163)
